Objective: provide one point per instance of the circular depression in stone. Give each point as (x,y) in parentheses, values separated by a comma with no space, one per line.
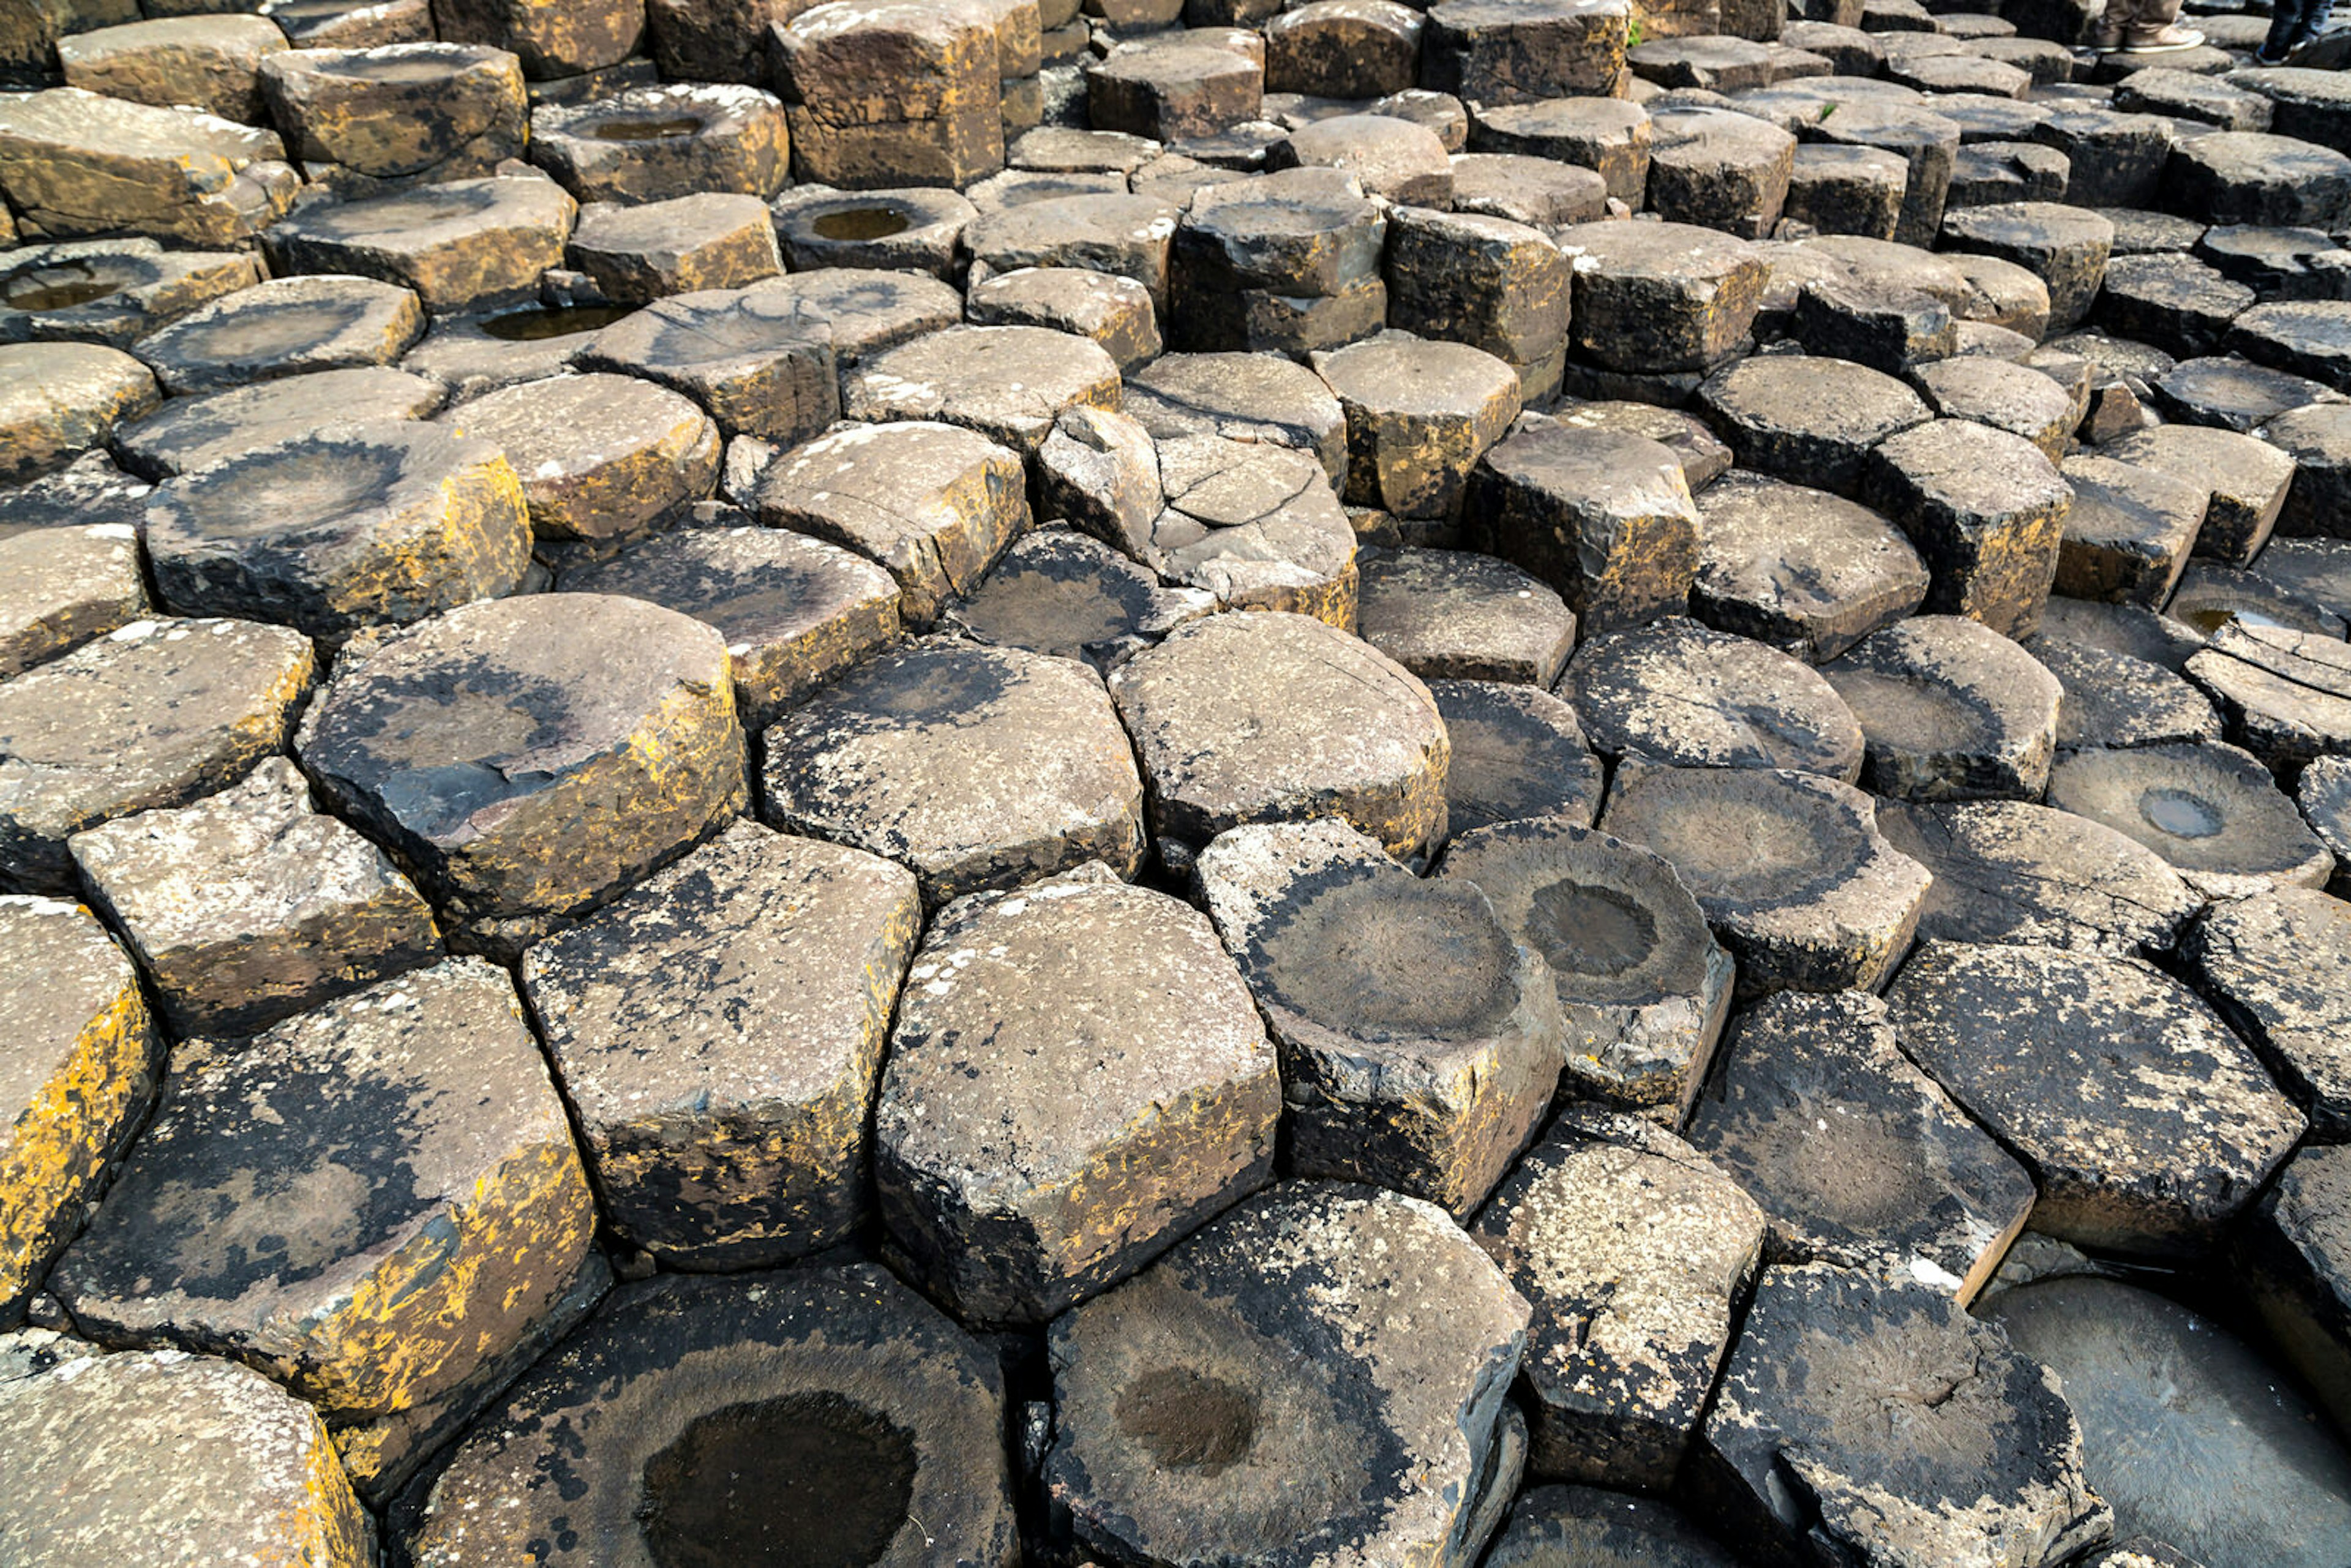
(1188,1420)
(2182,813)
(315,484)
(409,66)
(1589,929)
(859,224)
(2202,808)
(272,331)
(644,127)
(1743,835)
(543,321)
(809,1480)
(66,284)
(1386,957)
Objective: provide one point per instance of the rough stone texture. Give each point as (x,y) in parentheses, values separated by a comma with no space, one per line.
(2066,248)
(78,162)
(345,527)
(1570,1526)
(2286,695)
(468,245)
(1660,296)
(934,504)
(61,586)
(1296,1323)
(365,120)
(112,291)
(1857,1158)
(601,457)
(80,1076)
(1632,1248)
(516,790)
(1685,696)
(248,907)
(368,1201)
(855,1409)
(1798,568)
(977,767)
(1806,418)
(156,713)
(1419,415)
(1605,518)
(795,612)
(2147,1124)
(2293,1253)
(1253,524)
(2008,870)
(2187,1430)
(1057,591)
(99,1448)
(2247,479)
(57,400)
(2129,531)
(1010,383)
(1914,1434)
(1790,868)
(1243,397)
(650,143)
(2214,812)
(1116,312)
(2275,967)
(1484,280)
(2116,699)
(703,241)
(1454,615)
(717,1032)
(192,431)
(1078,1078)
(285,327)
(1419,1042)
(1273,718)
(762,362)
(1518,752)
(1987,512)
(1951,710)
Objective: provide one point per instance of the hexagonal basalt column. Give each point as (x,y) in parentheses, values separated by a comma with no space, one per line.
(1078,1077)
(1298,1324)
(1268,717)
(717,1030)
(979,768)
(529,757)
(820,1413)
(1420,1042)
(370,1201)
(85,1065)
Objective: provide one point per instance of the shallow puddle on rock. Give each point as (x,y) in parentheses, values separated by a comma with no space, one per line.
(809,1480)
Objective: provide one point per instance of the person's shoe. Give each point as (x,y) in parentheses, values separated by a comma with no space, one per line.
(2168,41)
(2262,57)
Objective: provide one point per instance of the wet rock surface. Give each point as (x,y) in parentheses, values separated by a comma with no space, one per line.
(1020,618)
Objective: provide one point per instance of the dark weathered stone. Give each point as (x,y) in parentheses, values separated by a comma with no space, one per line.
(2175,302)
(1847,189)
(649,143)
(2060,1055)
(1951,710)
(2279,262)
(1724,170)
(601,457)
(1799,569)
(826,1409)
(156,713)
(2274,966)
(469,245)
(1116,312)
(637,253)
(391,1172)
(795,612)
(1419,415)
(1173,93)
(1607,135)
(2186,1429)
(2234,393)
(78,162)
(1811,419)
(288,326)
(1985,508)
(1010,383)
(1454,615)
(1581,1527)
(717,1032)
(1605,518)
(57,400)
(1858,1157)
(111,291)
(1488,282)
(2117,699)
(2247,480)
(194,432)
(1488,51)
(760,361)
(84,1070)
(1263,718)
(1518,752)
(1078,1077)
(2066,248)
(1790,868)
(249,907)
(1295,1324)
(1533,191)
(1913,1433)
(979,768)
(2208,597)
(2121,629)
(914,229)
(60,587)
(1660,296)
(250,1464)
(368,120)
(2286,695)
(346,527)
(2129,531)
(1685,696)
(1704,458)
(518,790)
(1880,322)
(1631,1247)
(1243,397)
(2212,811)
